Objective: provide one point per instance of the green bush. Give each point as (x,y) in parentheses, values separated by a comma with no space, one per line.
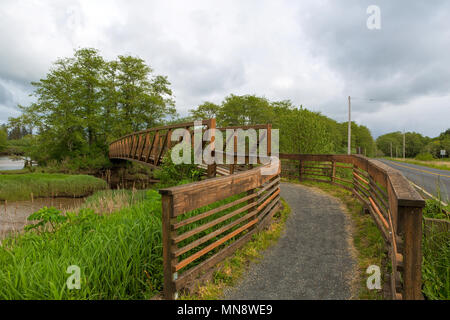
(46,217)
(434,209)
(171,174)
(425,156)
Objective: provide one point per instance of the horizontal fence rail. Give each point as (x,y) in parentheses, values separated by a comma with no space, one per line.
(394,204)
(205,222)
(150,146)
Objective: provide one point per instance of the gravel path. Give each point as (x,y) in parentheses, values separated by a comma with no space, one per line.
(311,260)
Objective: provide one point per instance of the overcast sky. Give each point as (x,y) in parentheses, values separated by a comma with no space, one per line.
(315,53)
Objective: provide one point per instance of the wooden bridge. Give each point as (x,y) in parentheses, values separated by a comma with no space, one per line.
(205,222)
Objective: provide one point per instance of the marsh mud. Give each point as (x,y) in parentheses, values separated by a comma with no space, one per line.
(13,215)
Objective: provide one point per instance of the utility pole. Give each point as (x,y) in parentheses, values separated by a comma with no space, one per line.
(404,133)
(391,149)
(349,147)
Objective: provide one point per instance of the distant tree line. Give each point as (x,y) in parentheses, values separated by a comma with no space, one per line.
(301,130)
(415,144)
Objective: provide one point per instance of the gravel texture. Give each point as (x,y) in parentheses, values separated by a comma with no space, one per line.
(311,260)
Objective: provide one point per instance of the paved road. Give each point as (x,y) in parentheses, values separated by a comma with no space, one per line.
(425,177)
(311,260)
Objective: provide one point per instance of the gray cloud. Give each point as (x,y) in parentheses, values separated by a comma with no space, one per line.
(407,58)
(315,53)
(6,98)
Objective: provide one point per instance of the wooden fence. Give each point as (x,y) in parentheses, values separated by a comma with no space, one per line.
(393,203)
(206,221)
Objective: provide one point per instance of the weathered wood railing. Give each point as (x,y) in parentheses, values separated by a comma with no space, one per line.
(393,203)
(150,146)
(206,221)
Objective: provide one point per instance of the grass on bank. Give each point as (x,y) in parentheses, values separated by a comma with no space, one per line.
(120,254)
(232,268)
(439,164)
(115,238)
(25,186)
(436,265)
(367,239)
(436,251)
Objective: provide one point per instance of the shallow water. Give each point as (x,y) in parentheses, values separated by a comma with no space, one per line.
(6,163)
(13,215)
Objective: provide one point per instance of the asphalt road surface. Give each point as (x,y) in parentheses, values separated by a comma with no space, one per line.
(311,260)
(428,178)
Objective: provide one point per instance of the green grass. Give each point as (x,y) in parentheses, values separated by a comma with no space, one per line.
(436,252)
(24,186)
(15,171)
(436,210)
(436,266)
(119,253)
(440,164)
(115,239)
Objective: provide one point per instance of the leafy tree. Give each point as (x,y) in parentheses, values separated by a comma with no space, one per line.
(206,110)
(415,143)
(85,101)
(301,130)
(3,138)
(304,131)
(384,143)
(244,110)
(143,100)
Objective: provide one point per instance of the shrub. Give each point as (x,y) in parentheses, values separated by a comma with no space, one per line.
(425,156)
(434,209)
(171,174)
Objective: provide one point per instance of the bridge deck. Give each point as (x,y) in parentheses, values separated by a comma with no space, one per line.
(312,259)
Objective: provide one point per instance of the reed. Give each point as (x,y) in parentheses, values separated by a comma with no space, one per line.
(119,254)
(34,185)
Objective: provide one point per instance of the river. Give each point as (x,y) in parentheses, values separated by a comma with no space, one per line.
(6,163)
(13,215)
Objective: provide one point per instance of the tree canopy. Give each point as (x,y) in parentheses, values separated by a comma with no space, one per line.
(85,101)
(301,130)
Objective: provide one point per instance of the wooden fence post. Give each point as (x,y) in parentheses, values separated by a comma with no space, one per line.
(167,235)
(410,227)
(333,170)
(300,170)
(212,129)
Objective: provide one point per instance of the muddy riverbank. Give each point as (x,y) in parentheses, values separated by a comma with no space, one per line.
(13,215)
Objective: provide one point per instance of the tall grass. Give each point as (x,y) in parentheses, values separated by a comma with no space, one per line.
(119,254)
(436,266)
(24,186)
(436,251)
